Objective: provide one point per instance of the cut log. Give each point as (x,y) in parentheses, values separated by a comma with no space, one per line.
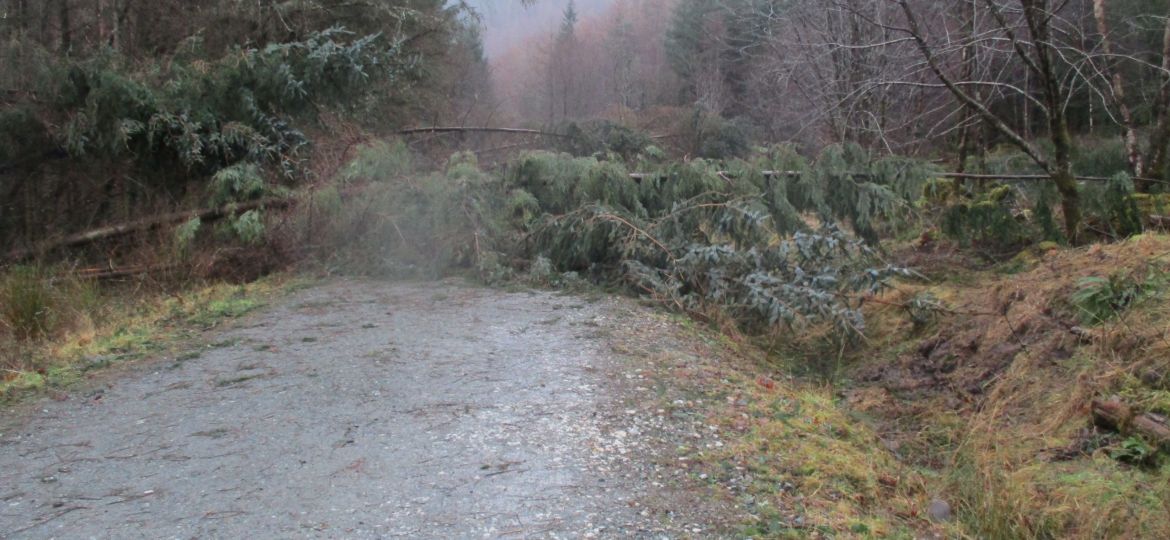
(1154,428)
(1116,415)
(1112,414)
(122,229)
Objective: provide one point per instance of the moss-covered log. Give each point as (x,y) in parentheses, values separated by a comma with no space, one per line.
(1116,415)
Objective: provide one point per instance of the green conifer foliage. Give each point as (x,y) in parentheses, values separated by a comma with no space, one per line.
(704,235)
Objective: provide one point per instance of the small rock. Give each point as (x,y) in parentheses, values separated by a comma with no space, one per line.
(49,479)
(940,510)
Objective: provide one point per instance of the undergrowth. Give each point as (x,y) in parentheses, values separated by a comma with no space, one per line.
(1000,219)
(990,396)
(37,302)
(1100,299)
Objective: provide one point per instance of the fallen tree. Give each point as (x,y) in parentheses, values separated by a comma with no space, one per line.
(462,129)
(146,224)
(951,175)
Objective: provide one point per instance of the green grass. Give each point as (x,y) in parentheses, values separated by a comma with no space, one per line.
(136,327)
(219,310)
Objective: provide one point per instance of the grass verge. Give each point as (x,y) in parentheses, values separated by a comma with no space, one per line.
(782,456)
(971,395)
(989,396)
(114,325)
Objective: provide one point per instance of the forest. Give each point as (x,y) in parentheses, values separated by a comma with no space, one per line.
(951,214)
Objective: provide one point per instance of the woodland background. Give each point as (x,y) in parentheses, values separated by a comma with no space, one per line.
(942,222)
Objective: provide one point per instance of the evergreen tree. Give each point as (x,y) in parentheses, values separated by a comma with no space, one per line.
(563,92)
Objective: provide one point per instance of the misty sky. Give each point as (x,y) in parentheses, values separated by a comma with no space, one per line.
(509,22)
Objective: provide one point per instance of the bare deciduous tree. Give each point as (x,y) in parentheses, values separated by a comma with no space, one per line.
(1026,26)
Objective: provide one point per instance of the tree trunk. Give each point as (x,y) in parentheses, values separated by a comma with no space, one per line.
(1129,134)
(22,15)
(115,23)
(1061,168)
(66,27)
(1038,17)
(1160,137)
(99,15)
(123,229)
(967,135)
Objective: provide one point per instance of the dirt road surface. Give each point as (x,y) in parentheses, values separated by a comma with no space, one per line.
(358,409)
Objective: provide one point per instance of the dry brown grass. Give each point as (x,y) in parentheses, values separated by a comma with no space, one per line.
(994,395)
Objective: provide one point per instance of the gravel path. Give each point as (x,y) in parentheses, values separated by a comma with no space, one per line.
(352,410)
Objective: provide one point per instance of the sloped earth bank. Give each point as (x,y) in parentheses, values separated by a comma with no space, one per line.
(363,409)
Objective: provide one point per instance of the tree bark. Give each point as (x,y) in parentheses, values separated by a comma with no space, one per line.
(66,26)
(1037,17)
(971,119)
(1160,138)
(1117,83)
(99,15)
(22,15)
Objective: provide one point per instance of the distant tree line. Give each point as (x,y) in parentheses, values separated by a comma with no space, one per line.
(956,78)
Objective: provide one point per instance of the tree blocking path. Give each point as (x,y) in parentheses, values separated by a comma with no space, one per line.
(355,410)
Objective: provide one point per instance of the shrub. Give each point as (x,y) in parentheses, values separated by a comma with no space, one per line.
(35,303)
(1112,208)
(990,222)
(719,138)
(27,303)
(249,227)
(1101,299)
(238,183)
(229,127)
(699,239)
(600,138)
(978,215)
(379,160)
(185,236)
